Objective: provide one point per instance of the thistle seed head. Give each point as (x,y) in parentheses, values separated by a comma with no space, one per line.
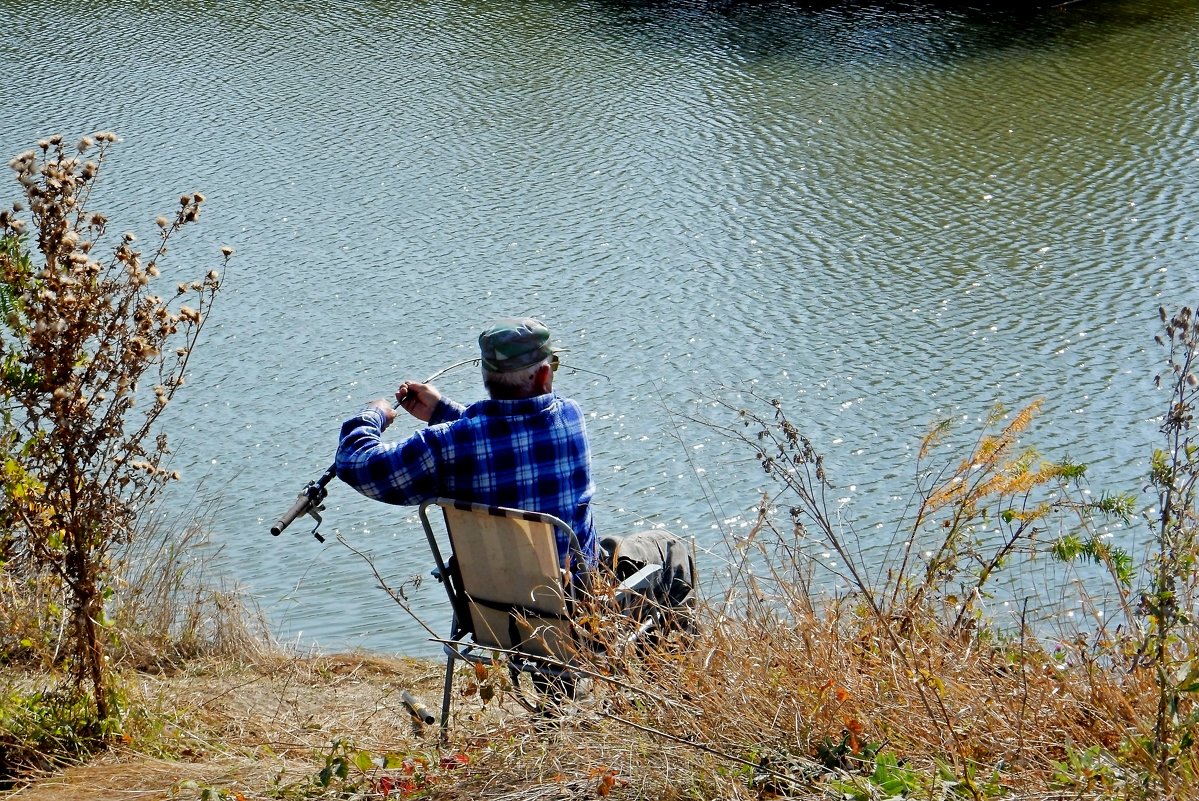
(20,162)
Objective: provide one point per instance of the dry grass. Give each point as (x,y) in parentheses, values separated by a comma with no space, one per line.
(264,729)
(777,694)
(167,607)
(824,695)
(781,694)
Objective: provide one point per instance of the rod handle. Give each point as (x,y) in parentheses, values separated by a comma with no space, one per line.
(298,508)
(417,709)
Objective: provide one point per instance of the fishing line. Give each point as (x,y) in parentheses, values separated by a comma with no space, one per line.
(478,360)
(311,498)
(712,505)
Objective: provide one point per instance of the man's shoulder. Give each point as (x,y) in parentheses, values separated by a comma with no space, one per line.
(570,403)
(489,407)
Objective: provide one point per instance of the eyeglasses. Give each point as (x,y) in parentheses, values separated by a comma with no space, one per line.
(554,362)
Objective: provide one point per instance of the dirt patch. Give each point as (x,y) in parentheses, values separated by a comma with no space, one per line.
(244,727)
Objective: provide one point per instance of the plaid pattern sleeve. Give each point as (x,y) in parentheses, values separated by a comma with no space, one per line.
(527,454)
(447,411)
(399,473)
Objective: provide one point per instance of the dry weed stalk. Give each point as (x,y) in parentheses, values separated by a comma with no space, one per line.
(85,338)
(1169,644)
(812,686)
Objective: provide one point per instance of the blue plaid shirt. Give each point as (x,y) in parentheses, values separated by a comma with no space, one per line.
(527,454)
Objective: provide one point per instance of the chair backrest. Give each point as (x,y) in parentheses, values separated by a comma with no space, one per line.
(509,581)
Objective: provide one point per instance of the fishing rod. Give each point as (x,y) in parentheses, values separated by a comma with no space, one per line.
(311,500)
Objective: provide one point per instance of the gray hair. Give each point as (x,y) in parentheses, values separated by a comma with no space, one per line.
(518,383)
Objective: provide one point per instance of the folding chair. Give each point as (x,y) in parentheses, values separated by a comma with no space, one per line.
(510,594)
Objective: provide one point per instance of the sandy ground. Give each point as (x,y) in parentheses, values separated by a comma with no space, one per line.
(264,730)
(238,728)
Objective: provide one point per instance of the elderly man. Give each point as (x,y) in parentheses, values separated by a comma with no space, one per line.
(524,448)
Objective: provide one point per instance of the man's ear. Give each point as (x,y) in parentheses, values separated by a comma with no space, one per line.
(543,379)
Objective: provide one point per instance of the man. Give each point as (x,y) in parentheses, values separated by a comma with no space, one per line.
(524,448)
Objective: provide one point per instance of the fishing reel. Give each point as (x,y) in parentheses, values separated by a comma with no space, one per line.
(311,502)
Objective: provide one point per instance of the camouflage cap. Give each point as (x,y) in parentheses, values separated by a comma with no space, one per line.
(513,343)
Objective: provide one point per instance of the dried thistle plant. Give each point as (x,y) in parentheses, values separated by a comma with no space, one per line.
(90,356)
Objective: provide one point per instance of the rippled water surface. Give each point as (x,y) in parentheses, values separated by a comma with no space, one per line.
(883,215)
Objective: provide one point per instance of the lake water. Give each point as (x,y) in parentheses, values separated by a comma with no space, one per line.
(883,214)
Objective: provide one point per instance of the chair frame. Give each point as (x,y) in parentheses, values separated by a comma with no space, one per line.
(461,645)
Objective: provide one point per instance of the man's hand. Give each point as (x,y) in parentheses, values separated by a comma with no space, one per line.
(389,414)
(419,400)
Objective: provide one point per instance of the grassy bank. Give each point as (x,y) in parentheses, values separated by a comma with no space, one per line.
(818,707)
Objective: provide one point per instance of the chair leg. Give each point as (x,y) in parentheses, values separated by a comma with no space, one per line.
(518,693)
(445,695)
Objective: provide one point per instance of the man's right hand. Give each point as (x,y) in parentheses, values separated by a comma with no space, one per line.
(419,400)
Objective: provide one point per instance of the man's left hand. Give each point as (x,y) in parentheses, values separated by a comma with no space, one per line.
(419,400)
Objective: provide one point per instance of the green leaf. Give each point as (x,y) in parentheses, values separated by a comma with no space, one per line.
(1072,470)
(364,761)
(1066,548)
(1122,505)
(1187,680)
(891,778)
(849,790)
